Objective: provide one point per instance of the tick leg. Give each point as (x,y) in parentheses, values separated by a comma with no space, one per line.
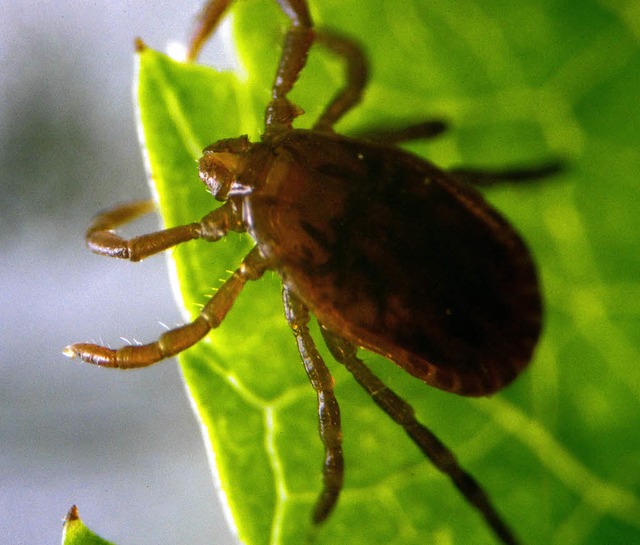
(357,75)
(176,340)
(402,413)
(328,409)
(397,135)
(101,238)
(489,177)
(206,22)
(280,112)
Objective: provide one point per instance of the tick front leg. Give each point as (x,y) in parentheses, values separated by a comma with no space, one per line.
(176,340)
(102,239)
(206,22)
(280,112)
(328,409)
(403,414)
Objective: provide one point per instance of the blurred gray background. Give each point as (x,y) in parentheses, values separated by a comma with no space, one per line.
(125,447)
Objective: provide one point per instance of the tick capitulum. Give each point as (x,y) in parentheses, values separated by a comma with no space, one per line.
(388,252)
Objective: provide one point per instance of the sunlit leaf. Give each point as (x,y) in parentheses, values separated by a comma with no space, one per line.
(558,451)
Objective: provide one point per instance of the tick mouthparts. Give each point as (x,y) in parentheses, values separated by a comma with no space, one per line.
(215,174)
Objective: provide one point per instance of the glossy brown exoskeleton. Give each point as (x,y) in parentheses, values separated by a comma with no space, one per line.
(387,251)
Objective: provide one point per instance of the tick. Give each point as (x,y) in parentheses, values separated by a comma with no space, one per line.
(387,251)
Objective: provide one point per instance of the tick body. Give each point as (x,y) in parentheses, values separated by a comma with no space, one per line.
(391,252)
(388,252)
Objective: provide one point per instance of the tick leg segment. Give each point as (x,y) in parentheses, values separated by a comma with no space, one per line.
(206,22)
(357,75)
(328,410)
(176,340)
(102,240)
(280,112)
(489,177)
(396,135)
(403,414)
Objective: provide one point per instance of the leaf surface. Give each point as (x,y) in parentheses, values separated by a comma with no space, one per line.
(559,450)
(74,532)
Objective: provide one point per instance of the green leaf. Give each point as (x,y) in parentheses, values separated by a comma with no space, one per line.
(558,451)
(74,532)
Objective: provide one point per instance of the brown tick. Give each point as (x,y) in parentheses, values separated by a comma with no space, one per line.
(387,251)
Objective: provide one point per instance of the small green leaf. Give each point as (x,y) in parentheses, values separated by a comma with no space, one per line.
(74,532)
(559,450)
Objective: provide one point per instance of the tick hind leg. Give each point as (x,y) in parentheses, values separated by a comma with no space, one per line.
(328,409)
(403,414)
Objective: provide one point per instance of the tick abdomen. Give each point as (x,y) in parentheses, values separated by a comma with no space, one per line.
(400,258)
